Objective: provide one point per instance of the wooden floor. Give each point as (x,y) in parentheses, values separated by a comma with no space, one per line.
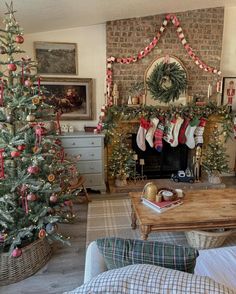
(65,270)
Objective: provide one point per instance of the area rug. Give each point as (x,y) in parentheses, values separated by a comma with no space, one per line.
(109,218)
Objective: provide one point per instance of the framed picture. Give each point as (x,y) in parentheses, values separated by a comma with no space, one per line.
(56,58)
(229,92)
(71,96)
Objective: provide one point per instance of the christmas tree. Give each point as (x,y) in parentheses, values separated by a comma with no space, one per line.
(34,177)
(214,157)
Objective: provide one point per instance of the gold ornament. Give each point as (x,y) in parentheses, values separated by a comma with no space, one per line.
(51,178)
(150,191)
(30,117)
(36,100)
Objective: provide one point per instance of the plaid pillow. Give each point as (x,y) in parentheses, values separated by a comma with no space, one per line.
(118,252)
(150,279)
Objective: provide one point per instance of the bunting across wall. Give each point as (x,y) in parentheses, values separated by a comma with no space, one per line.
(169,18)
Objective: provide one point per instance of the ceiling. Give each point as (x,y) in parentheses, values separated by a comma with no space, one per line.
(46,15)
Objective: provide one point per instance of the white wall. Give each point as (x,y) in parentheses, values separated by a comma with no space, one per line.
(228,63)
(91,42)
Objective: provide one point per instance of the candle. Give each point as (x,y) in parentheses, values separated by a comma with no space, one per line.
(141,161)
(135,157)
(209,91)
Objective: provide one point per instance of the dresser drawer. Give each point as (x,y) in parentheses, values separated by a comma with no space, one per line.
(90,167)
(93,180)
(81,142)
(85,153)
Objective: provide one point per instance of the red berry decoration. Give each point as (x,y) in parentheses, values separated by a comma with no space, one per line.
(32,197)
(33,170)
(42,234)
(16,252)
(19,39)
(53,198)
(15,154)
(12,66)
(21,147)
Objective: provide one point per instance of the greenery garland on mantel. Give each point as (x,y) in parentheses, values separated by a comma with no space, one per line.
(115,114)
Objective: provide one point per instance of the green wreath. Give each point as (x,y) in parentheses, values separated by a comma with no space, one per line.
(167,82)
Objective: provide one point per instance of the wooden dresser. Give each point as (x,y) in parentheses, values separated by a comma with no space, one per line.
(90,147)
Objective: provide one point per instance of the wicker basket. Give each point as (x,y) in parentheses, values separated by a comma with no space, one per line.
(206,239)
(34,256)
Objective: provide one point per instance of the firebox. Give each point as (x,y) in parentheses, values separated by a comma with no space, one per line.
(161,164)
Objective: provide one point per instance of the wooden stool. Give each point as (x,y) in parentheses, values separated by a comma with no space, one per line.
(80,185)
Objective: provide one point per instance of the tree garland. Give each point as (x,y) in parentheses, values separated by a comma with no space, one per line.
(167,82)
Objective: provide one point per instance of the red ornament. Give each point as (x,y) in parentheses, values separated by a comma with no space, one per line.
(12,66)
(33,169)
(16,252)
(53,198)
(28,83)
(68,203)
(15,154)
(31,197)
(21,147)
(19,39)
(42,234)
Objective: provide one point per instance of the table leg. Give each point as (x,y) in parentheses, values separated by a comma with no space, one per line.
(133,218)
(145,230)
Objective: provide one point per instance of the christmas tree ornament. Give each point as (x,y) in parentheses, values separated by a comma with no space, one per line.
(51,177)
(68,203)
(15,153)
(32,197)
(19,39)
(36,100)
(9,118)
(3,50)
(33,170)
(28,83)
(21,147)
(30,117)
(42,234)
(51,228)
(17,252)
(12,67)
(53,198)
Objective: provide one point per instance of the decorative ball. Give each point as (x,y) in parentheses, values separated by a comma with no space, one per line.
(28,83)
(32,197)
(36,100)
(68,203)
(53,198)
(19,39)
(15,153)
(21,147)
(51,228)
(9,118)
(16,252)
(42,234)
(51,177)
(3,50)
(12,67)
(30,117)
(33,169)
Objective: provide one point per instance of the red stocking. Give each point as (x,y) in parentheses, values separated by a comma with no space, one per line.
(158,135)
(182,138)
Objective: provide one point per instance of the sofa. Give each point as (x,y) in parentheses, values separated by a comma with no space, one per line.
(212,265)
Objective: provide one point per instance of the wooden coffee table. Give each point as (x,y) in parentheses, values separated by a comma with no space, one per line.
(202,209)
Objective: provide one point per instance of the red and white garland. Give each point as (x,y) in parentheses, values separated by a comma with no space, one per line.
(127,60)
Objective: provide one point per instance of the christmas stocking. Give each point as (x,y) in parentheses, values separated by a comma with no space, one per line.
(182,138)
(151,130)
(140,138)
(235,127)
(158,135)
(168,137)
(190,142)
(199,132)
(176,129)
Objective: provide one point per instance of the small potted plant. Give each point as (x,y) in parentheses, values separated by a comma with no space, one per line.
(136,92)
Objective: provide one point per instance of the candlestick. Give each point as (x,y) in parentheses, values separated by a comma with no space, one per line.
(209,91)
(141,161)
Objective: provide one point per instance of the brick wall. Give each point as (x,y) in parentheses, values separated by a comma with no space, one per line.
(202,28)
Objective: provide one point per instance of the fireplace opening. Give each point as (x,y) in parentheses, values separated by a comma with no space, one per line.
(161,164)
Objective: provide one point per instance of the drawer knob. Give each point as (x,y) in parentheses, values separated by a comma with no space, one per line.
(92,143)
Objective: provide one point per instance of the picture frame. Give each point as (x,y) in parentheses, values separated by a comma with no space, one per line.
(229,93)
(56,58)
(71,96)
